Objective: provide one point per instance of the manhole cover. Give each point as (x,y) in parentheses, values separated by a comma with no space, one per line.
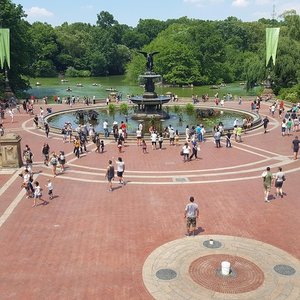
(166,274)
(180,179)
(284,270)
(214,245)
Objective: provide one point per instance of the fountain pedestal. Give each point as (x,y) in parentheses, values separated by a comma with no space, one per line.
(149,105)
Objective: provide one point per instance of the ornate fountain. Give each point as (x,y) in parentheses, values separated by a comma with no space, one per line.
(149,105)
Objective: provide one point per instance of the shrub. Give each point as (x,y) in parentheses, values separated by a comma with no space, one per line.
(189,108)
(124,108)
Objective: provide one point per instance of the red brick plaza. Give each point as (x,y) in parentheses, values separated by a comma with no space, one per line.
(89,243)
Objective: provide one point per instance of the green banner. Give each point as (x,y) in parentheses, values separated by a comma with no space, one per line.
(272,36)
(4,47)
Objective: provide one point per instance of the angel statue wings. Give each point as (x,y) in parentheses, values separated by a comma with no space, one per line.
(149,58)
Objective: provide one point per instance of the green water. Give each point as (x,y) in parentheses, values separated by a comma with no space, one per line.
(55,87)
(178,123)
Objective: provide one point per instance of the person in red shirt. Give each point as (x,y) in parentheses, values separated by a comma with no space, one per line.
(123,127)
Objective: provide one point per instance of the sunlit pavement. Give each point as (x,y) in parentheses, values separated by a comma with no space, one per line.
(88,243)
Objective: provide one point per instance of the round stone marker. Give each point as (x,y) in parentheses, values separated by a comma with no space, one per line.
(214,245)
(166,274)
(284,270)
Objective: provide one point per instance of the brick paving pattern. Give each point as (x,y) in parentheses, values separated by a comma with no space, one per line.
(88,243)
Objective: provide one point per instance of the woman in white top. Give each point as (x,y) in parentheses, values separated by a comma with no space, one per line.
(153,140)
(37,194)
(120,170)
(138,137)
(186,152)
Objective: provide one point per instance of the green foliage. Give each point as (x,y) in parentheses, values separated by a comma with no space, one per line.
(177,109)
(291,94)
(105,20)
(21,52)
(72,72)
(124,108)
(189,108)
(190,51)
(111,108)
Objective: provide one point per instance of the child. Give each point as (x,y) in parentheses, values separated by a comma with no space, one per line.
(144,146)
(102,146)
(37,194)
(120,145)
(50,189)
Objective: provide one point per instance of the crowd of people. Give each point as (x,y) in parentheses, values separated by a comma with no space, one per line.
(189,141)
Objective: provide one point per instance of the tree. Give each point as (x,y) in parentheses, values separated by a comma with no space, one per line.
(44,41)
(150,28)
(293,23)
(12,17)
(105,20)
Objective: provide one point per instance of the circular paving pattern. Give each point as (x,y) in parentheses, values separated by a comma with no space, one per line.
(254,270)
(248,276)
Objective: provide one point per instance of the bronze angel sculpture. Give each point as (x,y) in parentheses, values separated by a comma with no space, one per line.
(149,58)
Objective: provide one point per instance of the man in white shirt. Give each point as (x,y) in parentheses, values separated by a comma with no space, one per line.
(120,170)
(105,127)
(191,213)
(153,140)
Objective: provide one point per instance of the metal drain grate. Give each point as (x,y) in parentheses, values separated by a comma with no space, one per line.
(180,179)
(284,270)
(166,274)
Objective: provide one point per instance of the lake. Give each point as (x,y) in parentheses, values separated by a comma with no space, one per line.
(97,86)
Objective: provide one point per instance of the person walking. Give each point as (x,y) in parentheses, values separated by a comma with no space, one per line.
(194,149)
(228,142)
(37,194)
(76,147)
(47,129)
(110,175)
(191,213)
(28,157)
(105,128)
(295,145)
(160,140)
(153,140)
(49,186)
(279,179)
(267,183)
(97,143)
(62,160)
(138,136)
(45,151)
(120,170)
(53,162)
(144,146)
(217,137)
(186,152)
(265,123)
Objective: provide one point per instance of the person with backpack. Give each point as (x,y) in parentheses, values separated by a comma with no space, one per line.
(28,157)
(53,162)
